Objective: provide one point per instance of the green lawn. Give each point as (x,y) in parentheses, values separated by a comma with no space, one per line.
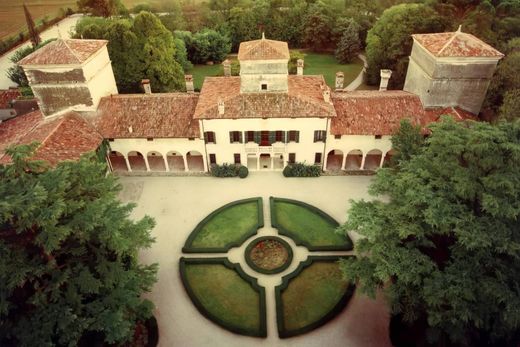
(305,225)
(231,224)
(312,294)
(225,295)
(315,64)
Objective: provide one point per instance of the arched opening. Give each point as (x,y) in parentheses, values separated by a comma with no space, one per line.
(278,162)
(155,161)
(118,162)
(388,157)
(353,160)
(265,161)
(373,159)
(252,162)
(195,161)
(136,161)
(334,160)
(175,161)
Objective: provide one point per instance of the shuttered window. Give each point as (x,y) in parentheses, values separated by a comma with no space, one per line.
(293,136)
(250,136)
(319,135)
(258,136)
(209,137)
(236,156)
(280,136)
(292,158)
(235,136)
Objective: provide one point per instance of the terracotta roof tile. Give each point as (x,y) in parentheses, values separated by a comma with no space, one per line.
(149,115)
(7,96)
(263,49)
(303,99)
(62,138)
(64,52)
(456,44)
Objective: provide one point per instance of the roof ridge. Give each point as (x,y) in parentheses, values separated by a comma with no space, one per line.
(264,40)
(455,33)
(71,51)
(29,131)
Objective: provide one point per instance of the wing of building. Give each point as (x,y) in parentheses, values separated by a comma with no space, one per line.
(264,118)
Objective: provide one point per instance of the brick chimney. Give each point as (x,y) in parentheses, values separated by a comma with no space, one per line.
(227,67)
(299,67)
(220,107)
(189,83)
(339,80)
(385,77)
(146,86)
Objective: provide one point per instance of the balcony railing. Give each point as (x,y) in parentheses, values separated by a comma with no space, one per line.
(277,147)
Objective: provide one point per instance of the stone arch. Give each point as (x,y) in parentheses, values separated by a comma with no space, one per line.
(373,159)
(354,159)
(195,161)
(136,161)
(175,161)
(155,161)
(334,160)
(117,161)
(388,157)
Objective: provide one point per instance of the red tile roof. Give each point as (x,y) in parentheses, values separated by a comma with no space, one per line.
(303,99)
(456,44)
(64,52)
(62,138)
(8,95)
(263,49)
(149,115)
(380,112)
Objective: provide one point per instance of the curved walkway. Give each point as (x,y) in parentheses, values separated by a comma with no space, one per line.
(360,78)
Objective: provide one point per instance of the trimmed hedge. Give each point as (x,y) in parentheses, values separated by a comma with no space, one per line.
(284,332)
(262,328)
(243,171)
(229,170)
(302,170)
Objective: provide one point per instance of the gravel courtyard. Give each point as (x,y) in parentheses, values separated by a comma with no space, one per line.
(178,204)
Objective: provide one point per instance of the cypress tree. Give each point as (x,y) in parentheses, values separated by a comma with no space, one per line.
(33,33)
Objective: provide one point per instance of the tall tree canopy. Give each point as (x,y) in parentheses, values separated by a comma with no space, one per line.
(69,265)
(444,244)
(102,8)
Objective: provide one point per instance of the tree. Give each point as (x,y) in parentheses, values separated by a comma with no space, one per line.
(444,243)
(102,8)
(33,33)
(389,42)
(69,266)
(348,45)
(510,109)
(209,45)
(317,34)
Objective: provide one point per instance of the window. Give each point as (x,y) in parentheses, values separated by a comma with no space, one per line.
(235,136)
(212,159)
(317,158)
(209,137)
(110,140)
(293,136)
(250,136)
(378,137)
(149,139)
(319,135)
(279,136)
(337,137)
(236,157)
(292,158)
(191,138)
(264,86)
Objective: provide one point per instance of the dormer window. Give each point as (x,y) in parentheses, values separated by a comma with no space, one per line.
(264,86)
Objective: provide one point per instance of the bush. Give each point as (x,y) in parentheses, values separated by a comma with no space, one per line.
(225,170)
(302,170)
(243,172)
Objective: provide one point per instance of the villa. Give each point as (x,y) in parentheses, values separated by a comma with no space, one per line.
(264,118)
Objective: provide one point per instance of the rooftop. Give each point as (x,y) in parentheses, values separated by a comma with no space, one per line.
(304,99)
(64,52)
(456,44)
(7,96)
(161,115)
(263,49)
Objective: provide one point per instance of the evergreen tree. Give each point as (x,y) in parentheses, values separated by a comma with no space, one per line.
(348,45)
(33,33)
(444,243)
(69,265)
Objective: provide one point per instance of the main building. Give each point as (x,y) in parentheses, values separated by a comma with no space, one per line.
(264,118)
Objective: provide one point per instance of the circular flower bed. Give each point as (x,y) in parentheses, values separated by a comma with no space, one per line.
(269,255)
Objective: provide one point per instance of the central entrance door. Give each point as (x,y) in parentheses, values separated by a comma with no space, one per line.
(264,138)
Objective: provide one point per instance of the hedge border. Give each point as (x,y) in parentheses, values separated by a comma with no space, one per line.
(279,269)
(262,332)
(272,200)
(342,303)
(187,248)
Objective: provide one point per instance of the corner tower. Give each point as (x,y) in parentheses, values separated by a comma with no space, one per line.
(70,75)
(451,69)
(263,66)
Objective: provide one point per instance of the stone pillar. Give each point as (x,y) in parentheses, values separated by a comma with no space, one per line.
(227,67)
(344,163)
(146,86)
(146,163)
(382,160)
(166,166)
(362,167)
(299,67)
(185,158)
(257,163)
(385,77)
(189,83)
(128,167)
(340,78)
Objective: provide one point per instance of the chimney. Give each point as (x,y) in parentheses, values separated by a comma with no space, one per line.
(227,67)
(326,95)
(385,77)
(189,83)
(299,67)
(339,80)
(130,129)
(220,107)
(146,86)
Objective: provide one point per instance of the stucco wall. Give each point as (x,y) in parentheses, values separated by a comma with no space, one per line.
(271,72)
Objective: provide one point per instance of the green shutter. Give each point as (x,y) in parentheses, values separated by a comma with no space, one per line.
(315,135)
(272,137)
(297,136)
(206,137)
(283,137)
(230,137)
(258,137)
(240,138)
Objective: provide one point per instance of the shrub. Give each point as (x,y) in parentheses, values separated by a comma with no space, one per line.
(243,172)
(225,170)
(301,170)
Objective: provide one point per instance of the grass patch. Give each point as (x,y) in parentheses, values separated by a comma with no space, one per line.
(326,65)
(225,296)
(228,225)
(306,225)
(312,296)
(200,72)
